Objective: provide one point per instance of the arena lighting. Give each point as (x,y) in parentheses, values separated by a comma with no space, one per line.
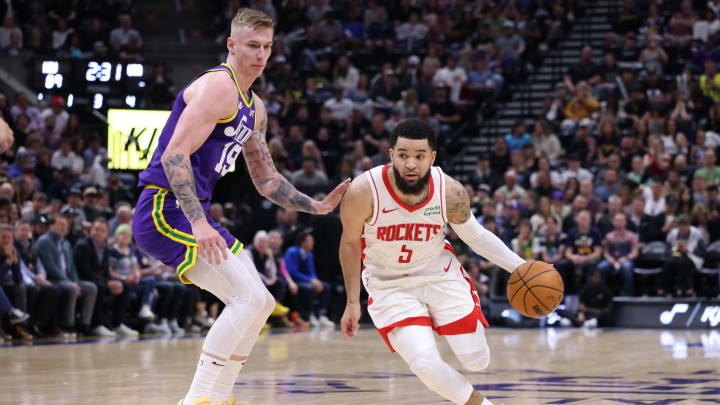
(70,100)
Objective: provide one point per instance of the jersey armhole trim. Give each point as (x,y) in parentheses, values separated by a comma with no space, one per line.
(230,118)
(442,195)
(376,199)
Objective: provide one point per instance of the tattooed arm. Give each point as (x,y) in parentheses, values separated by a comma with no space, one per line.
(193,128)
(482,241)
(270,183)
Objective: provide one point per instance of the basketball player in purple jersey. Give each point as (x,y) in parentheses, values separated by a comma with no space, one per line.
(213,119)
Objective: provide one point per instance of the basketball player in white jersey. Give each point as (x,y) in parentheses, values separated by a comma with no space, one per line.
(393,226)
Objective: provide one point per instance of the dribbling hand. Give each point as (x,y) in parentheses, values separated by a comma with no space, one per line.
(350,320)
(210,243)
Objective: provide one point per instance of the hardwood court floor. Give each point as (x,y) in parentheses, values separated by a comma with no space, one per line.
(550,366)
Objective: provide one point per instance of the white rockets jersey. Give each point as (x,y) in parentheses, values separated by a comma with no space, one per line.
(399,239)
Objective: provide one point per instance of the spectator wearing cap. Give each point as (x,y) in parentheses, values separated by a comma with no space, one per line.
(451,76)
(60,116)
(386,90)
(91,259)
(90,209)
(56,256)
(678,271)
(75,231)
(511,46)
(340,107)
(583,144)
(519,137)
(75,201)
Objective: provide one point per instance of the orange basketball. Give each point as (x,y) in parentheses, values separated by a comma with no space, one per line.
(535,289)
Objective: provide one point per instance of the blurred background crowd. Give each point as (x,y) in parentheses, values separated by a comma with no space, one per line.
(614,181)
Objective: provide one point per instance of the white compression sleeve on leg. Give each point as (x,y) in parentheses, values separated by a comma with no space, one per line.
(417,346)
(471,349)
(486,244)
(248,303)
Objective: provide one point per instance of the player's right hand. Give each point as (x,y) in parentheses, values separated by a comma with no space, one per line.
(6,136)
(350,322)
(210,243)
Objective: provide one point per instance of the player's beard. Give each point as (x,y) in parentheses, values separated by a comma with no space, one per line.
(408,188)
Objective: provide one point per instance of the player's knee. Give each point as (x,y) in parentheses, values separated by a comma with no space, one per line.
(269,304)
(428,366)
(477,361)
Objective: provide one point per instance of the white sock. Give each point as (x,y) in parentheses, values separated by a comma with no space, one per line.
(486,402)
(208,371)
(224,384)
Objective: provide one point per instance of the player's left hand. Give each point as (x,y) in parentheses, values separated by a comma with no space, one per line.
(350,322)
(333,199)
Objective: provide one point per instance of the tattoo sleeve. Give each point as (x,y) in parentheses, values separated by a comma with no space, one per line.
(269,182)
(182,181)
(458,202)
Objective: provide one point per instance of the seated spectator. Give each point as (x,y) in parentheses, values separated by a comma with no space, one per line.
(91,259)
(10,315)
(582,249)
(653,58)
(451,76)
(345,75)
(340,107)
(276,243)
(706,28)
(60,117)
(584,71)
(444,111)
(678,271)
(681,26)
(56,256)
(709,171)
(511,47)
(609,187)
(595,304)
(582,105)
(654,198)
(575,171)
(309,176)
(545,142)
(480,77)
(300,264)
(522,244)
(620,248)
(22,106)
(511,189)
(264,259)
(124,265)
(594,204)
(518,138)
(121,35)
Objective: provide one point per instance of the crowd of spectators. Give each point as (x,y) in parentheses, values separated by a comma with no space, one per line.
(621,158)
(70,29)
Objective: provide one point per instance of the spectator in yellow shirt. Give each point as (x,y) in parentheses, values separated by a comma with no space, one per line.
(583,104)
(710,81)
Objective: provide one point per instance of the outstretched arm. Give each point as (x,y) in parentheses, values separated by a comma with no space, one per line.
(482,241)
(356,208)
(271,184)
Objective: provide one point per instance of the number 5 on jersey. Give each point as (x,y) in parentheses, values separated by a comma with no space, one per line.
(408,254)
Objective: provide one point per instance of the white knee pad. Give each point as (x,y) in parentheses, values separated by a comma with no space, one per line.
(440,377)
(477,361)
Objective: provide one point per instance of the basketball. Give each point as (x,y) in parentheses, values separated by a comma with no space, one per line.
(535,289)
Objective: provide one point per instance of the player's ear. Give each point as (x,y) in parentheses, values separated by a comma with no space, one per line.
(392,153)
(432,157)
(230,43)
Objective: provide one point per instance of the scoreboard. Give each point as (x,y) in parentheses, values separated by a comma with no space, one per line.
(100,84)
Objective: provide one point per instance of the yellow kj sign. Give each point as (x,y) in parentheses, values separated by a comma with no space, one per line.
(133,136)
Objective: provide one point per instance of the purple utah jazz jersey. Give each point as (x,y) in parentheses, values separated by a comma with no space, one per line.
(217,155)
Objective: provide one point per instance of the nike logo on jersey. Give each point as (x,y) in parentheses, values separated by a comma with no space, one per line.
(217,364)
(448,266)
(385,210)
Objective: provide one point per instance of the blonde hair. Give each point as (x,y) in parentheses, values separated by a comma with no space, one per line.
(252,19)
